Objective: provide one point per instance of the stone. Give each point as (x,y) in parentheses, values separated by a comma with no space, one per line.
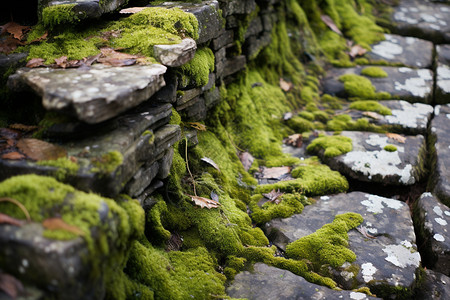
(432,220)
(232,7)
(165,163)
(211,82)
(195,110)
(266,282)
(443,74)
(86,9)
(142,179)
(223,40)
(440,183)
(253,45)
(413,85)
(370,162)
(212,98)
(422,19)
(436,286)
(96,94)
(168,93)
(409,51)
(254,28)
(175,55)
(13,60)
(384,262)
(145,198)
(186,96)
(233,65)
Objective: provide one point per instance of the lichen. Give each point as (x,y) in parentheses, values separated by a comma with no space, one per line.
(370,105)
(331,145)
(361,87)
(197,70)
(375,72)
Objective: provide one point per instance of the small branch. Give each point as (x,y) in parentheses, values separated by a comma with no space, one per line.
(20,205)
(187,166)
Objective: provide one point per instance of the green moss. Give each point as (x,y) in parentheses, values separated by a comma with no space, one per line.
(155,230)
(390,148)
(197,70)
(64,166)
(321,116)
(332,145)
(306,115)
(328,245)
(299,124)
(107,163)
(53,16)
(375,72)
(345,122)
(370,105)
(332,102)
(361,87)
(233,265)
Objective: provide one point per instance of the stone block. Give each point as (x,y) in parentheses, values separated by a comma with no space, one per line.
(223,40)
(175,55)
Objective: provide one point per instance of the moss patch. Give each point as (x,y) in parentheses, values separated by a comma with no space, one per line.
(390,148)
(107,163)
(375,72)
(361,87)
(56,15)
(197,70)
(345,122)
(64,166)
(332,145)
(370,105)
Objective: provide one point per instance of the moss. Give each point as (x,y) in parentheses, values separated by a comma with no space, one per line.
(370,105)
(328,245)
(107,163)
(233,265)
(56,15)
(345,122)
(361,87)
(312,179)
(299,124)
(154,228)
(332,145)
(64,166)
(332,102)
(390,148)
(375,72)
(197,70)
(321,116)
(306,115)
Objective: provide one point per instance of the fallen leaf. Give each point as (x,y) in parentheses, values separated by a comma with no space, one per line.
(211,162)
(363,231)
(115,58)
(16,30)
(397,137)
(88,61)
(57,223)
(285,86)
(39,150)
(13,156)
(22,127)
(10,285)
(5,219)
(246,159)
(9,44)
(175,242)
(274,196)
(372,115)
(131,10)
(204,202)
(330,23)
(61,61)
(35,62)
(357,50)
(275,172)
(41,38)
(295,140)
(197,125)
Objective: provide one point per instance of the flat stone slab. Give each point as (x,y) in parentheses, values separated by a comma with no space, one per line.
(92,95)
(370,162)
(86,9)
(443,74)
(266,282)
(407,118)
(409,51)
(440,130)
(386,261)
(423,19)
(436,286)
(175,55)
(413,85)
(434,220)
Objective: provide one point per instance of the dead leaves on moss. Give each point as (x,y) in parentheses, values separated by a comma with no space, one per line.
(204,202)
(13,35)
(274,196)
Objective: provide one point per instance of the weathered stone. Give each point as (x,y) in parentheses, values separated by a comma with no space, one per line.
(432,220)
(232,22)
(441,167)
(268,20)
(165,163)
(168,93)
(12,61)
(369,162)
(266,282)
(211,82)
(254,28)
(234,65)
(436,286)
(212,98)
(443,74)
(192,137)
(142,179)
(253,45)
(86,9)
(387,261)
(145,198)
(195,111)
(225,39)
(231,7)
(422,19)
(187,96)
(175,55)
(411,52)
(402,83)
(93,95)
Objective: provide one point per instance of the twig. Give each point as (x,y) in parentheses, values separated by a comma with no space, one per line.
(20,205)
(187,166)
(232,143)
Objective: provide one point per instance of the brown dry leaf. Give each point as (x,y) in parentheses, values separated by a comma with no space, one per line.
(116,59)
(131,10)
(274,196)
(295,140)
(5,219)
(285,86)
(13,156)
(61,62)
(9,44)
(204,202)
(357,50)
(23,127)
(10,285)
(35,62)
(41,38)
(39,150)
(88,61)
(246,159)
(211,162)
(399,138)
(57,223)
(197,125)
(372,115)
(330,23)
(16,30)
(275,172)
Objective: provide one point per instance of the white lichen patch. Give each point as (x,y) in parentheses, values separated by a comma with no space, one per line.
(401,256)
(440,221)
(443,78)
(358,296)
(367,271)
(381,141)
(388,48)
(437,210)
(410,115)
(447,213)
(439,237)
(406,244)
(437,110)
(325,198)
(376,204)
(416,86)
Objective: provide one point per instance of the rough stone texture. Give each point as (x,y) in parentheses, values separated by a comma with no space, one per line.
(369,162)
(443,74)
(411,52)
(254,45)
(414,85)
(87,9)
(175,55)
(231,7)
(422,19)
(142,179)
(168,93)
(435,287)
(234,65)
(441,135)
(223,40)
(266,282)
(92,95)
(165,163)
(433,219)
(386,261)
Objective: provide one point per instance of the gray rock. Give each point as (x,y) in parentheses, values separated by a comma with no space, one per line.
(186,96)
(175,55)
(212,98)
(93,95)
(409,51)
(422,19)
(266,282)
(443,54)
(211,82)
(369,162)
(165,163)
(433,218)
(145,198)
(413,85)
(234,65)
(223,40)
(142,179)
(443,74)
(168,93)
(382,263)
(253,45)
(440,135)
(195,110)
(436,286)
(254,28)
(231,7)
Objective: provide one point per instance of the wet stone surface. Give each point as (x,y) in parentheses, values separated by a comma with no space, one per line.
(434,218)
(443,74)
(409,51)
(370,162)
(92,95)
(387,260)
(413,85)
(266,282)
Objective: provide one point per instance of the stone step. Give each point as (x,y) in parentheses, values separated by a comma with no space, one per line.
(384,262)
(443,74)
